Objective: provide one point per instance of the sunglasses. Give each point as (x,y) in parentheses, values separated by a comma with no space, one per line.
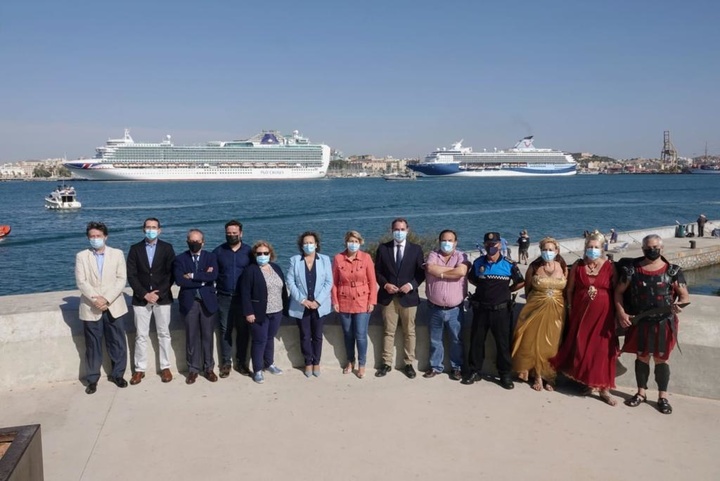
(258,253)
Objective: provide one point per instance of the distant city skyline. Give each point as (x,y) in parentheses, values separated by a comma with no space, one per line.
(394,78)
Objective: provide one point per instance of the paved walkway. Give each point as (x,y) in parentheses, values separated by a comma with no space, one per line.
(339,427)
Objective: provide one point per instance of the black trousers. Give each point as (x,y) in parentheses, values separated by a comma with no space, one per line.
(501,324)
(113,330)
(199,328)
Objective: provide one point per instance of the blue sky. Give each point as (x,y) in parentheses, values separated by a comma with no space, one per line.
(393,77)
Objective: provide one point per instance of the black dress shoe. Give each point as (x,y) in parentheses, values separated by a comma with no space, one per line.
(456,375)
(119,382)
(384,369)
(91,388)
(409,371)
(470,379)
(507,383)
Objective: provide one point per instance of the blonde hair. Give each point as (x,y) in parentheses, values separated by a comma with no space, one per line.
(264,243)
(355,234)
(595,236)
(549,240)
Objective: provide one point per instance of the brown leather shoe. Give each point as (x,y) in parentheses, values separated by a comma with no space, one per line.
(191,378)
(137,377)
(225,370)
(211,376)
(165,375)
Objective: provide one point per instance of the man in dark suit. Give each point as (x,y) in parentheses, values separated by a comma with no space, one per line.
(195,271)
(150,274)
(399,270)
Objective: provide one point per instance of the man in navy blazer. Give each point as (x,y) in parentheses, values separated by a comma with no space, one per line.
(150,274)
(399,270)
(195,272)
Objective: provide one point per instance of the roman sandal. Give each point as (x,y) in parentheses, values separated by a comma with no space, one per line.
(663,405)
(636,400)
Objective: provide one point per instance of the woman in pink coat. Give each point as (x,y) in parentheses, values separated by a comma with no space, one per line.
(354,295)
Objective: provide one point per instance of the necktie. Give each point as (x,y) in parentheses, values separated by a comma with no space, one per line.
(398,257)
(196,260)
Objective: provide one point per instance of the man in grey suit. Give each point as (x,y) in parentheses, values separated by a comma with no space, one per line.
(100,274)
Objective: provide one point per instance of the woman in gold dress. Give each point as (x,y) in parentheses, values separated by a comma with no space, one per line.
(540,324)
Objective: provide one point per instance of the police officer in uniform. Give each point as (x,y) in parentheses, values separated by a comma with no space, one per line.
(495,277)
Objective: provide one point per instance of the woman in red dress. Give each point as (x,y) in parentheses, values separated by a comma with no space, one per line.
(590,349)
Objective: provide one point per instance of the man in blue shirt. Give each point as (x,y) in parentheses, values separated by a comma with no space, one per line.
(233,256)
(495,277)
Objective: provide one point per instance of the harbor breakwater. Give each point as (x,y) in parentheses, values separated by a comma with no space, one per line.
(41,337)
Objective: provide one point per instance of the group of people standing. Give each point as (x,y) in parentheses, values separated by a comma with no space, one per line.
(240,289)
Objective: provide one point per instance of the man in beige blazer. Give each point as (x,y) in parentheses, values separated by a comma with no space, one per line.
(100,273)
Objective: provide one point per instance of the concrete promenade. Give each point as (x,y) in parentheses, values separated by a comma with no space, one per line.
(340,427)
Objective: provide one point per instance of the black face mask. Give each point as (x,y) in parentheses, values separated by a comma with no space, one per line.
(194,246)
(233,240)
(652,254)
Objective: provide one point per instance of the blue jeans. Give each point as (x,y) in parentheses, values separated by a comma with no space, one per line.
(355,329)
(439,318)
(263,332)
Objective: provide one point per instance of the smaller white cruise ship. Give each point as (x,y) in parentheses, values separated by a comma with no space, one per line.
(268,155)
(524,159)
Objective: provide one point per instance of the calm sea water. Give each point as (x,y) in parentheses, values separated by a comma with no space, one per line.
(39,254)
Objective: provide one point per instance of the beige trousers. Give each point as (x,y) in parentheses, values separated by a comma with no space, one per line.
(390,314)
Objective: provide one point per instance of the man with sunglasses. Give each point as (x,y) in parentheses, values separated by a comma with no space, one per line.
(495,277)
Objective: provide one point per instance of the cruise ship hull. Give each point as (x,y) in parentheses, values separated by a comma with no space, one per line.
(101,172)
(455,170)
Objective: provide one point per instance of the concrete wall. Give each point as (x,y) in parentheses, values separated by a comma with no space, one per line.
(41,337)
(41,341)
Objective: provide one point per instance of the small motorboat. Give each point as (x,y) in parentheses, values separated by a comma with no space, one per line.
(62,198)
(4,230)
(400,176)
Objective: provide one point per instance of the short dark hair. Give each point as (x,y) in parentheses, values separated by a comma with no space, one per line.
(309,233)
(447,231)
(151,219)
(400,219)
(94,225)
(233,222)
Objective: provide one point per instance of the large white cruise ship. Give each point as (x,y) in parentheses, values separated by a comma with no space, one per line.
(522,160)
(267,155)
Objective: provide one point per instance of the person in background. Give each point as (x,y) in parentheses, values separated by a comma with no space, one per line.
(354,296)
(495,278)
(195,272)
(100,274)
(399,270)
(309,280)
(150,275)
(702,220)
(589,352)
(540,324)
(446,287)
(264,299)
(653,283)
(523,243)
(613,236)
(233,256)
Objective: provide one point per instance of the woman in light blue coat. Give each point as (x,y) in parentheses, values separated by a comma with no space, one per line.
(310,281)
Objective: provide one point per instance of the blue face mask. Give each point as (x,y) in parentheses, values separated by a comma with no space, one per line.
(151,234)
(262,260)
(353,246)
(447,246)
(548,256)
(399,235)
(593,253)
(97,243)
(308,248)
(492,250)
